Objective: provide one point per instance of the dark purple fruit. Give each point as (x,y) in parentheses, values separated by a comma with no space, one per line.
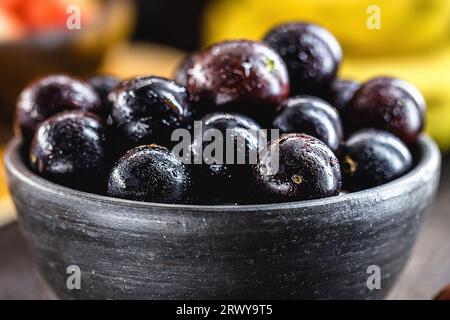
(70,148)
(388,104)
(147,110)
(313,116)
(149,173)
(341,93)
(297,167)
(184,69)
(238,76)
(103,85)
(45,97)
(372,158)
(227,178)
(312,55)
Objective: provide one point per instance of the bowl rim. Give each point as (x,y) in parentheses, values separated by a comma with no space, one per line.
(430,161)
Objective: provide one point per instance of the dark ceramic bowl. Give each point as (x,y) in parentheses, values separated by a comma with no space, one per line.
(77,52)
(311,249)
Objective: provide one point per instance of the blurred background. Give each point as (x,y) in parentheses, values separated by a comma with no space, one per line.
(127,38)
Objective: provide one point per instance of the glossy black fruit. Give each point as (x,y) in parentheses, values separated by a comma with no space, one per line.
(312,55)
(70,148)
(149,173)
(103,85)
(224,176)
(341,93)
(297,167)
(388,104)
(48,96)
(147,110)
(238,76)
(313,116)
(371,158)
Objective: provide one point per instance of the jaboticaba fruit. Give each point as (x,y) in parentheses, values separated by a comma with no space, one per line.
(371,158)
(313,116)
(312,55)
(388,104)
(50,95)
(147,110)
(297,167)
(225,178)
(238,76)
(70,148)
(149,173)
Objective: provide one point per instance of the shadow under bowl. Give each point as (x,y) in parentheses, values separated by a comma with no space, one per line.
(320,249)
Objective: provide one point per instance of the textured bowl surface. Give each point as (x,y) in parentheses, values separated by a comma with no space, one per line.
(311,249)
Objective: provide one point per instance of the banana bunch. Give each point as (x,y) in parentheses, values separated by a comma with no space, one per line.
(403,24)
(412,42)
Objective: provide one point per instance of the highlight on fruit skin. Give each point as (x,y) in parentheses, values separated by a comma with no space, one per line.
(307,169)
(389,104)
(241,76)
(313,116)
(311,53)
(149,173)
(46,96)
(71,148)
(371,158)
(146,110)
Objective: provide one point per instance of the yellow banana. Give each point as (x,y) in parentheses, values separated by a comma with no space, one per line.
(404,25)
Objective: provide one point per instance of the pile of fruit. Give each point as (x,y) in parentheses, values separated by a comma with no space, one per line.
(21,18)
(114,137)
(422,57)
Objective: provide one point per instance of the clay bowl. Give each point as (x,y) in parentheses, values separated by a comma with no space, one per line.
(319,249)
(77,52)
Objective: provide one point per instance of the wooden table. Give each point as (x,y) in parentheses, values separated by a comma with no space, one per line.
(426,273)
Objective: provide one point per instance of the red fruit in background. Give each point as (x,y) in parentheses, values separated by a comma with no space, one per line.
(45,14)
(11,28)
(11,5)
